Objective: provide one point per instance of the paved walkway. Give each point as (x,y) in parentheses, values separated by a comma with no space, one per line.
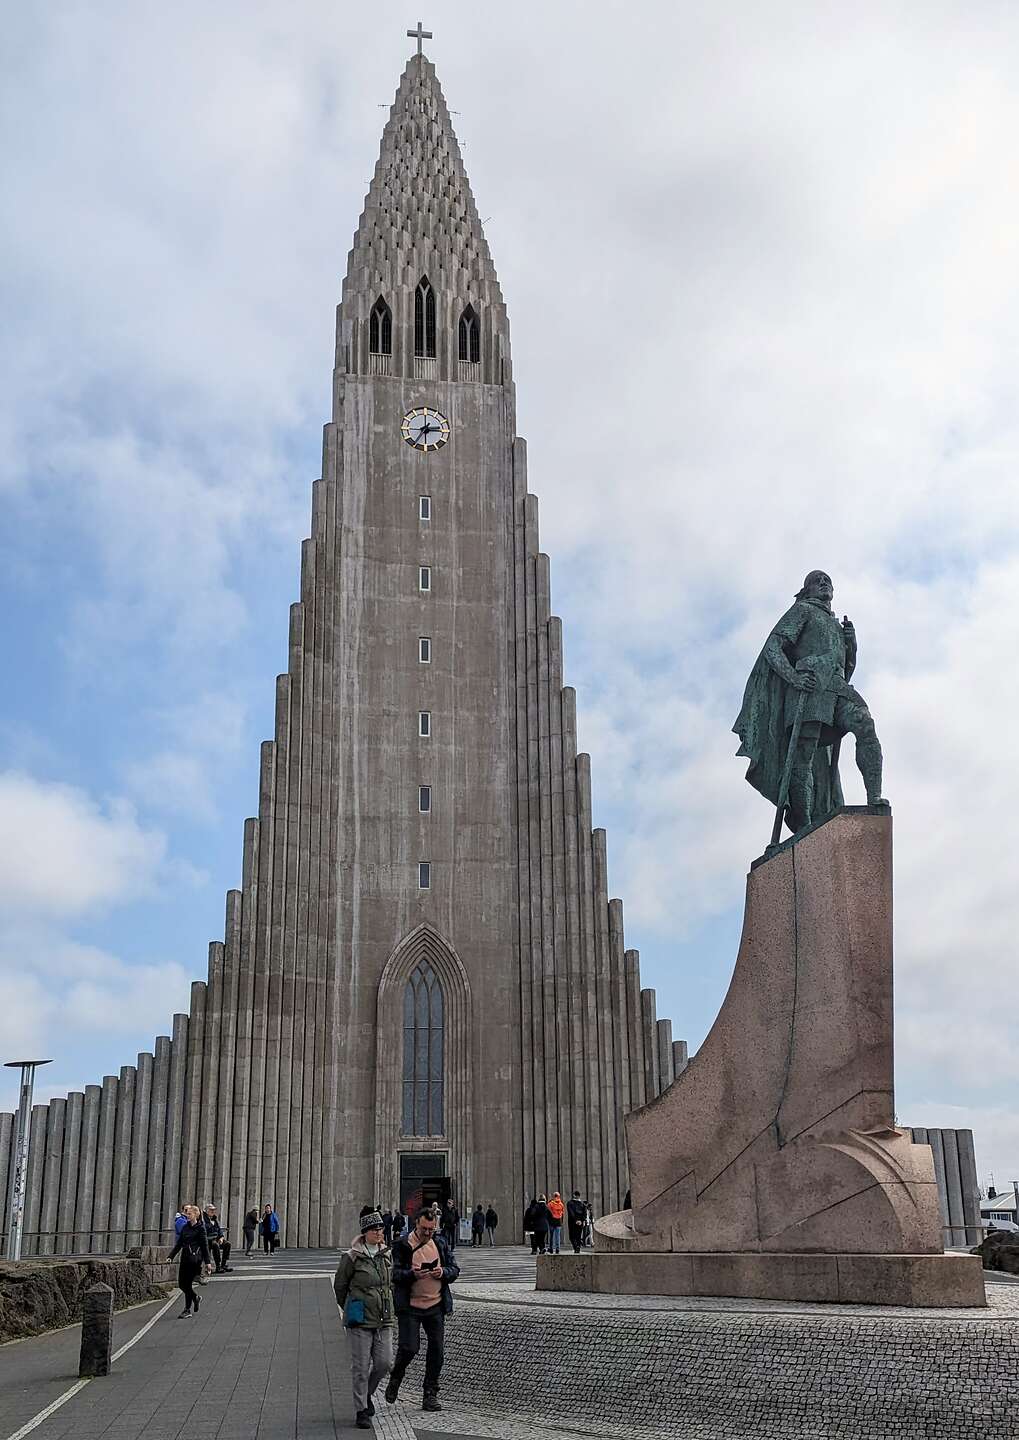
(266,1358)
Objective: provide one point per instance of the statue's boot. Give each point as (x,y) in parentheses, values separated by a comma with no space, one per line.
(869,761)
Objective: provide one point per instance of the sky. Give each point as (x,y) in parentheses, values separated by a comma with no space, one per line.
(762,270)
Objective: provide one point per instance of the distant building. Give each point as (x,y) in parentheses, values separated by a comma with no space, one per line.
(999,1210)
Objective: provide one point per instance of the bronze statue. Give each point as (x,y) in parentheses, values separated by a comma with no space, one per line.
(797,707)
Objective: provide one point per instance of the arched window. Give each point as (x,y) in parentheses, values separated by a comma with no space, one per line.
(470,336)
(422,1053)
(380,328)
(424,319)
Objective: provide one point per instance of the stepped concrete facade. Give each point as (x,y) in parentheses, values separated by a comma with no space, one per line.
(422,969)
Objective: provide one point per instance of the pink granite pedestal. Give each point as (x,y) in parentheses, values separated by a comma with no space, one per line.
(772,1167)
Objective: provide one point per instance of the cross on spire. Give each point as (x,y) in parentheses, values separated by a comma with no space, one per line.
(419,34)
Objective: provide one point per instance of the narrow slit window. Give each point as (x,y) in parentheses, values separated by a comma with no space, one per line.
(424,799)
(424,507)
(424,577)
(380,328)
(470,336)
(424,319)
(424,649)
(424,875)
(424,723)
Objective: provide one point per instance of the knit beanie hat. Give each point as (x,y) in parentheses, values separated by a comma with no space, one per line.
(371,1221)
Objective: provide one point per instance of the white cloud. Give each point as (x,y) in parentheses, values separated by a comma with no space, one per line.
(61,853)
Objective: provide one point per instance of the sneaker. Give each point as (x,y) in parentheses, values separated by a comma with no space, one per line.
(431,1402)
(184,1315)
(363,1420)
(392,1392)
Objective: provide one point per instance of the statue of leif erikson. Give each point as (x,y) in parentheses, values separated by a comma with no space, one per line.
(797,707)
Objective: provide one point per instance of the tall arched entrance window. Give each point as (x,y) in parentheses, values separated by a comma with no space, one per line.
(423,1040)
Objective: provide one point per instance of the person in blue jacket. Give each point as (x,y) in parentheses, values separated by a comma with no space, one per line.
(270,1228)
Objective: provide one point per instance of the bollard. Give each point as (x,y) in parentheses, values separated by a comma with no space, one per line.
(96,1332)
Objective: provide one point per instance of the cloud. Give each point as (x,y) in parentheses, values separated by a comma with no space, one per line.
(63,854)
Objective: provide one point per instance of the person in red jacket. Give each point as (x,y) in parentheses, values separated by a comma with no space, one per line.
(556,1210)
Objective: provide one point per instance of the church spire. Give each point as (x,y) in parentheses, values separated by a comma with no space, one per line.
(420,221)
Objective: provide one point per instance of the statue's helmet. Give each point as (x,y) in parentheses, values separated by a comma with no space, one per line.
(815,578)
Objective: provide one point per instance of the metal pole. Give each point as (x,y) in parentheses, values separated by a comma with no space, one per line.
(16,1209)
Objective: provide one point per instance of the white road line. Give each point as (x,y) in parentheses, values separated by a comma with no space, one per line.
(37,1420)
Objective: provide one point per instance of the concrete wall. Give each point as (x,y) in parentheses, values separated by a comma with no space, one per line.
(955,1168)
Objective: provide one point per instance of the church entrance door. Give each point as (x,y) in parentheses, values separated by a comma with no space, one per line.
(423,1179)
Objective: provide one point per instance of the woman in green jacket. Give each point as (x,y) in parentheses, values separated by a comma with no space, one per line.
(364,1292)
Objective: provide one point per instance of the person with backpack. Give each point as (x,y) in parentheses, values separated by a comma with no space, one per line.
(270,1228)
(537,1220)
(363,1285)
(576,1216)
(491,1222)
(193,1248)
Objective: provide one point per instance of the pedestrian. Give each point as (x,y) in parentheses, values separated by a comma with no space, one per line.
(179,1221)
(387,1227)
(364,1292)
(193,1248)
(450,1223)
(588,1225)
(219,1245)
(270,1228)
(576,1214)
(423,1270)
(556,1211)
(478,1226)
(250,1229)
(491,1223)
(399,1224)
(537,1221)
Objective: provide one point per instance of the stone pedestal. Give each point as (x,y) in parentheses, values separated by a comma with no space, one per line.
(773,1167)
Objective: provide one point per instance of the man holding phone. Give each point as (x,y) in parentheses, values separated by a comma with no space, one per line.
(423,1270)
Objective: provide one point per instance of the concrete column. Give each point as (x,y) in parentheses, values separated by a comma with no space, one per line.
(122,1159)
(956,1236)
(550,1180)
(223,1154)
(589,988)
(69,1173)
(87,1168)
(970,1189)
(210,1076)
(652,1075)
(295,920)
(238,1195)
(635,1029)
(620,1039)
(536,1041)
(611,1194)
(105,1143)
(260,978)
(566,999)
(175,1095)
(526,1000)
(664,1035)
(193,1097)
(274,1013)
(680,1057)
(157,1224)
(33,1180)
(575,980)
(49,1215)
(139,1150)
(6,1142)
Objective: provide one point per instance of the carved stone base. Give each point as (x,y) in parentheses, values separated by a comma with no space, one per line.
(920,1281)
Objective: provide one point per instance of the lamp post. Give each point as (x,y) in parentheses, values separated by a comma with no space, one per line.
(16,1209)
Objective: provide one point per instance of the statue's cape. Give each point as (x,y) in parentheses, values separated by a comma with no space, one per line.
(760,726)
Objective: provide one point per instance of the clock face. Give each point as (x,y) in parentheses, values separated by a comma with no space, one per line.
(425,429)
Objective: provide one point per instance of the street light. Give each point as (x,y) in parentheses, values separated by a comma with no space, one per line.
(16,1210)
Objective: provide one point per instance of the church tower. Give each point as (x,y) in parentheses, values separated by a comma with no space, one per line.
(422,975)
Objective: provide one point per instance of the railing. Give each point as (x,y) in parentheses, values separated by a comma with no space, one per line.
(426,367)
(380,364)
(469,369)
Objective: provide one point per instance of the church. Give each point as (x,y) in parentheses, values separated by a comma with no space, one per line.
(423,983)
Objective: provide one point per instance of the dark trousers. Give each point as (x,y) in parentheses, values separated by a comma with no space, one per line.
(186,1277)
(576,1236)
(220,1252)
(539,1241)
(433,1322)
(477,1237)
(249,1240)
(269,1243)
(450,1238)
